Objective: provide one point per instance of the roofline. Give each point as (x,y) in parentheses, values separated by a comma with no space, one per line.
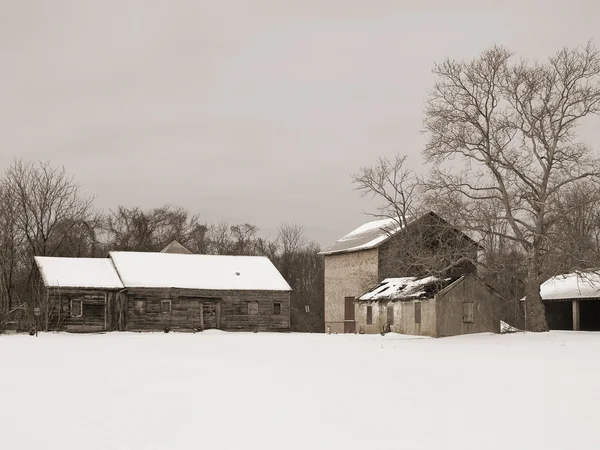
(209,289)
(390,234)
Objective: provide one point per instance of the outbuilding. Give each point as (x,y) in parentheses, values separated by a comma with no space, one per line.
(431,306)
(572,301)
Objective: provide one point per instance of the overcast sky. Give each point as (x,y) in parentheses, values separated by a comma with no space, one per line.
(247,111)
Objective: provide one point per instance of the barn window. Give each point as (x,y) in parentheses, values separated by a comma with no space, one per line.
(76,308)
(253,308)
(277,309)
(369,315)
(417,312)
(140,306)
(467,312)
(307,308)
(390,314)
(165,306)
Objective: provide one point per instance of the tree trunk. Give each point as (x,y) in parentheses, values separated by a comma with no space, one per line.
(535,314)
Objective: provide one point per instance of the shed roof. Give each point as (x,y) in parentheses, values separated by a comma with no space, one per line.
(211,272)
(406,288)
(90,273)
(572,286)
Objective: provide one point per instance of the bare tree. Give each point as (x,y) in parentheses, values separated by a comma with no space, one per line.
(395,186)
(48,204)
(244,239)
(426,244)
(135,229)
(505,132)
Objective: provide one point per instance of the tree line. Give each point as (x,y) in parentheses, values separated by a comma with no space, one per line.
(43,212)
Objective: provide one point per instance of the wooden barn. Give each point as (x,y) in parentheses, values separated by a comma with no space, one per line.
(81,294)
(572,301)
(158,291)
(431,306)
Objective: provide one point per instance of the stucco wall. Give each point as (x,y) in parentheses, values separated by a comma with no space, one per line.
(404,317)
(346,275)
(489,308)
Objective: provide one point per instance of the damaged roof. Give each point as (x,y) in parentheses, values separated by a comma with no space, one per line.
(407,288)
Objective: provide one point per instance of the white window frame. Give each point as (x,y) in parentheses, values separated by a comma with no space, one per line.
(162,302)
(80,307)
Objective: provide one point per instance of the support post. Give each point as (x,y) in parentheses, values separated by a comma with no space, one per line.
(576,315)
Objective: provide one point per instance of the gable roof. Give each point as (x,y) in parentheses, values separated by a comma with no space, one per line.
(571,286)
(407,288)
(367,236)
(373,234)
(90,273)
(176,247)
(211,272)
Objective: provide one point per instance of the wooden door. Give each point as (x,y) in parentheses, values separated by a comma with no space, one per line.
(349,319)
(210,315)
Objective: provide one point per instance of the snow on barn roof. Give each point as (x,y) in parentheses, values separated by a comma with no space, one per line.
(367,236)
(93,273)
(214,272)
(407,288)
(571,285)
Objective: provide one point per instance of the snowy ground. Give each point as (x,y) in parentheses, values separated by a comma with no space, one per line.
(216,390)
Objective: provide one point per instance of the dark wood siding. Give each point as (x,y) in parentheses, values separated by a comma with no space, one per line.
(201,309)
(97,310)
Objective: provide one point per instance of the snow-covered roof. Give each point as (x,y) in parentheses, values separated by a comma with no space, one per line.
(212,272)
(571,285)
(93,273)
(406,288)
(367,236)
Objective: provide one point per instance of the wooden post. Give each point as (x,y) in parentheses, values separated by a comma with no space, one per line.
(201,316)
(576,315)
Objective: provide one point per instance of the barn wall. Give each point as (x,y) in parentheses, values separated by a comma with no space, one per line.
(202,309)
(346,275)
(489,308)
(95,311)
(404,317)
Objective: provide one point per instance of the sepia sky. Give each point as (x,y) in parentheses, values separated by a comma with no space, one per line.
(246,110)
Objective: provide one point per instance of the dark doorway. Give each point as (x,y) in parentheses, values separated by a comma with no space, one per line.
(559,314)
(349,321)
(589,315)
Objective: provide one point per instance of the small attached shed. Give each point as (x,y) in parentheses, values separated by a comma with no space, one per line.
(431,306)
(81,294)
(572,301)
(187,291)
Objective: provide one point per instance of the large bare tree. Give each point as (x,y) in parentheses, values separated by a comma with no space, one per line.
(504,131)
(393,185)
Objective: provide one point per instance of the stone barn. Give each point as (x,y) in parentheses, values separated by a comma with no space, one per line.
(431,307)
(572,301)
(375,251)
(170,290)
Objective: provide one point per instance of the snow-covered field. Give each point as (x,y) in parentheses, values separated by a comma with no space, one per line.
(217,390)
